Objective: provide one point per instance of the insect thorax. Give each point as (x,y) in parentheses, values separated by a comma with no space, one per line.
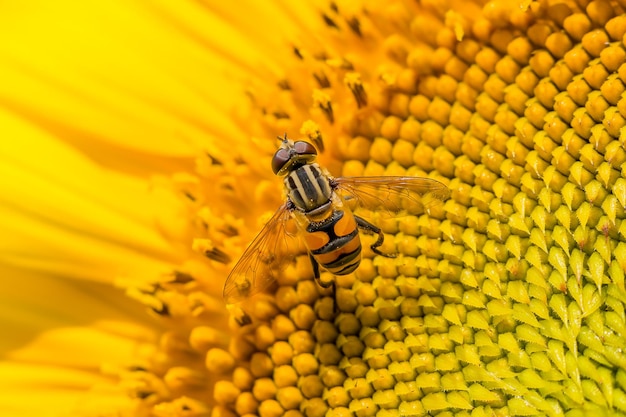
(308,187)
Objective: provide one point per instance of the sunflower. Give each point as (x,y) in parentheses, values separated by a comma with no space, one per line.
(135,168)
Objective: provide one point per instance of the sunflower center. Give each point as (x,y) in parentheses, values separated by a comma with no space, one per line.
(506,300)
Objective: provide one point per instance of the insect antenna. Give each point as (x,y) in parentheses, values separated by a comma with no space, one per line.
(284,139)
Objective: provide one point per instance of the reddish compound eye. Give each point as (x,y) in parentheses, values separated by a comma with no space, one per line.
(304,148)
(292,155)
(280,159)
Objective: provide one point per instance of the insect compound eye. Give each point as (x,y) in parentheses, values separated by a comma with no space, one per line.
(304,148)
(281,157)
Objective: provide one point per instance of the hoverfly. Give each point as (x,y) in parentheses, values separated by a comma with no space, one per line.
(321,208)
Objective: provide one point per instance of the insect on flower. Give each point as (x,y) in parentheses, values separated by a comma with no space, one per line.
(322,209)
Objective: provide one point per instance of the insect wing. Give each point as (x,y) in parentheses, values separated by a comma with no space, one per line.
(395,196)
(272,249)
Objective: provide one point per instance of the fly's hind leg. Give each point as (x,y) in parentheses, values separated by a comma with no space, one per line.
(370,228)
(331,284)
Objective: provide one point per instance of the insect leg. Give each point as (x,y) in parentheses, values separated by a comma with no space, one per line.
(370,228)
(316,271)
(331,284)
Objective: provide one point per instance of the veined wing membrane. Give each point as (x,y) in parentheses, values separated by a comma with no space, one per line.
(395,196)
(268,254)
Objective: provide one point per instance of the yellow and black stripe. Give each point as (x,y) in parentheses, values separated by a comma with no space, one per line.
(331,234)
(308,187)
(335,243)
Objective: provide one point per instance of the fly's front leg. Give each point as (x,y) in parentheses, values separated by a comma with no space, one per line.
(370,228)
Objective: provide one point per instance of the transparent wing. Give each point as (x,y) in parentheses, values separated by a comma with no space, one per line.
(392,195)
(273,248)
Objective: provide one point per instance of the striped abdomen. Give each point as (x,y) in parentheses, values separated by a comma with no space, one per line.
(335,243)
